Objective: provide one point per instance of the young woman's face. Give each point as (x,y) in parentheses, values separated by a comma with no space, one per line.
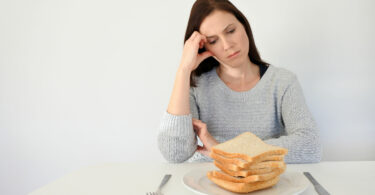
(226,38)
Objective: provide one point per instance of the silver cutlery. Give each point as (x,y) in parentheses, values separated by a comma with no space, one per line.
(163,182)
(319,188)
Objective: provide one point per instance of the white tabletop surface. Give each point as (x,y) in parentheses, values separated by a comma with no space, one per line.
(338,177)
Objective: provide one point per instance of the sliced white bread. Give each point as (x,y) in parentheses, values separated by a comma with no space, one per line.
(242,187)
(248,147)
(243,163)
(260,165)
(249,179)
(244,173)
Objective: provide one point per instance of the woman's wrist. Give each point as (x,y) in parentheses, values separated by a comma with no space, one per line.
(183,70)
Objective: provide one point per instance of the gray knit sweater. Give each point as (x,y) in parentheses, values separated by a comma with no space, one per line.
(274,110)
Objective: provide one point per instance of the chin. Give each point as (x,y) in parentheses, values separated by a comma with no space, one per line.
(237,62)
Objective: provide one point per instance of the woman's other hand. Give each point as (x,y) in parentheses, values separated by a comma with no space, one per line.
(208,141)
(190,57)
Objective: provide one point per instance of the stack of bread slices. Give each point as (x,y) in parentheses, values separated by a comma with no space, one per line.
(247,164)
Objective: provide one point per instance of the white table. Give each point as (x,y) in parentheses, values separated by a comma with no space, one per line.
(338,177)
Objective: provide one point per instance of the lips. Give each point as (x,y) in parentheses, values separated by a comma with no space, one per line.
(233,54)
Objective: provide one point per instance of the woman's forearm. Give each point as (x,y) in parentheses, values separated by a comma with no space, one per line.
(179,101)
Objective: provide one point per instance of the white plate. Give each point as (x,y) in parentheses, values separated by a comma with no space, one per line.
(289,183)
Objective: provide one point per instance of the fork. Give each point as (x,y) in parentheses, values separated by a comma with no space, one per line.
(163,182)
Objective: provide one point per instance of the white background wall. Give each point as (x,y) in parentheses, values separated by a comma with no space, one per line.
(84,82)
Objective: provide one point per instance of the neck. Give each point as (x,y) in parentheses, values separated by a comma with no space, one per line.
(244,73)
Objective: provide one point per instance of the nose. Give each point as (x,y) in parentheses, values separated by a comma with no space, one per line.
(227,44)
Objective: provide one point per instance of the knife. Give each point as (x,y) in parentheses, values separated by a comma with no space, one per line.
(319,188)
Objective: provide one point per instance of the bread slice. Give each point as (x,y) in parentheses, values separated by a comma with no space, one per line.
(244,173)
(249,179)
(242,187)
(243,163)
(247,146)
(260,165)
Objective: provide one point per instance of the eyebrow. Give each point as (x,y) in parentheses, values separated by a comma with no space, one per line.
(223,31)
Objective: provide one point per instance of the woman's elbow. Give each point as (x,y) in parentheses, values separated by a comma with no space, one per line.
(175,160)
(305,153)
(313,149)
(175,149)
(313,154)
(317,154)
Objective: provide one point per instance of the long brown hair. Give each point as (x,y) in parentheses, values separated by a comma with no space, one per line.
(200,10)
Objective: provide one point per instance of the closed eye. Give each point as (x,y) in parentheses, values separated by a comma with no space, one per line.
(232,31)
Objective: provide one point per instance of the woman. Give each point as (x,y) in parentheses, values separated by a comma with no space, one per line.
(223,88)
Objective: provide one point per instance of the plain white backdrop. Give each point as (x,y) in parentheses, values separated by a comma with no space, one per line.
(86,82)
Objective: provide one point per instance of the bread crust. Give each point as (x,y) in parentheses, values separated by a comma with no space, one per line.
(241,163)
(245,157)
(249,179)
(260,165)
(243,173)
(242,187)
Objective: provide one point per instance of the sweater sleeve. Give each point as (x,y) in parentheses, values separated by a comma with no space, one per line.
(177,140)
(301,136)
